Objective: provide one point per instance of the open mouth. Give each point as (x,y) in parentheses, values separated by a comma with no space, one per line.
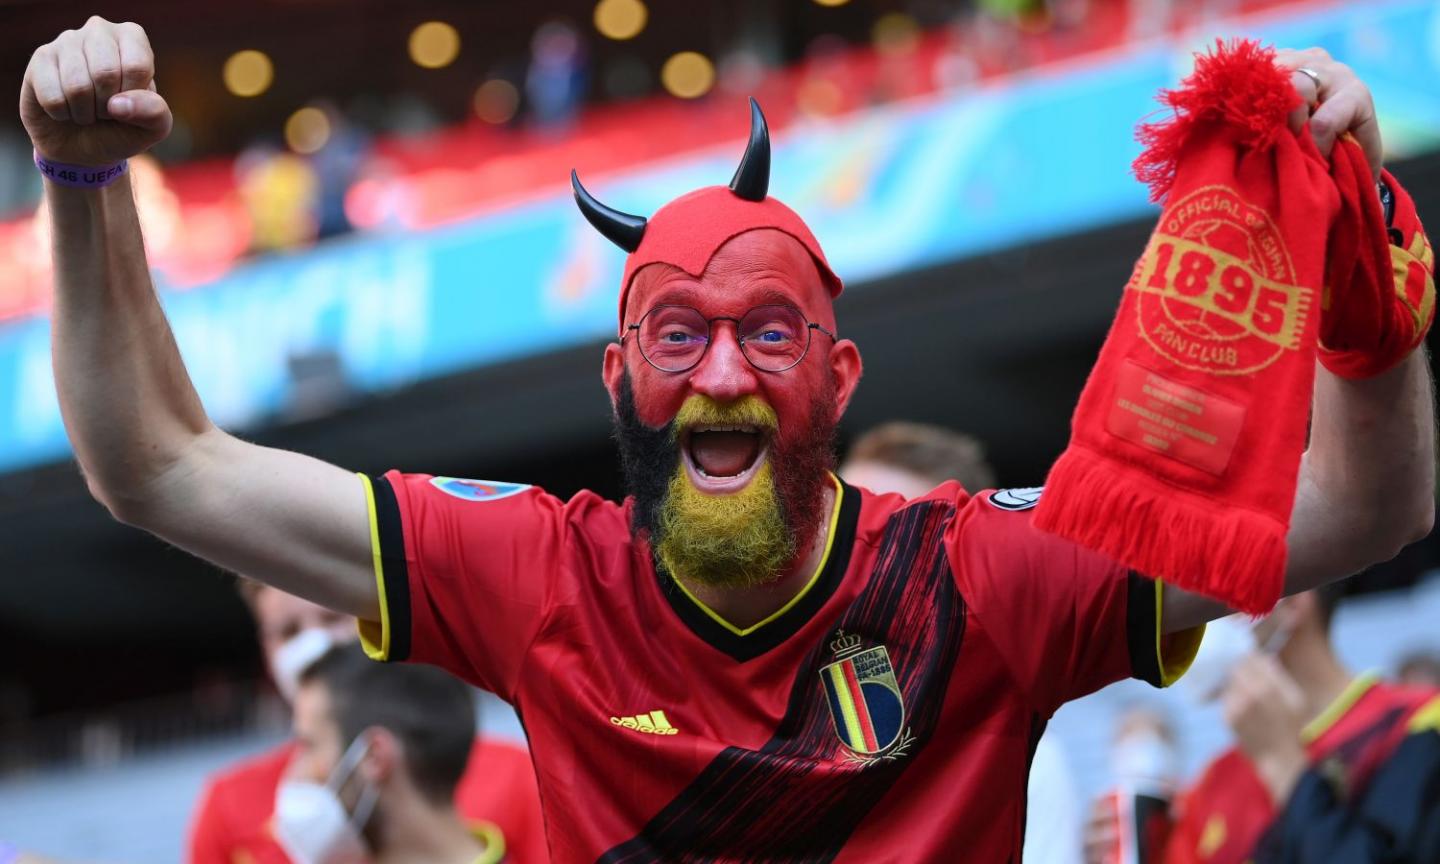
(723,458)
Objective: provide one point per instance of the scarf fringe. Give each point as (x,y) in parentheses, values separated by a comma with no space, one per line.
(1235,83)
(1235,556)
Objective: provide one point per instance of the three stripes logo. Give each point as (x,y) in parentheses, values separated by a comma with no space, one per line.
(653,723)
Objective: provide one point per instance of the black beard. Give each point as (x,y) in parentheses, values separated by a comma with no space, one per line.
(650,457)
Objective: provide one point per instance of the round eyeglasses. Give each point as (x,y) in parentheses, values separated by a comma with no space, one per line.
(674,338)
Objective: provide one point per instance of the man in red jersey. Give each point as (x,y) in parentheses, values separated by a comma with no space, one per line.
(233,821)
(379,750)
(1300,708)
(745,659)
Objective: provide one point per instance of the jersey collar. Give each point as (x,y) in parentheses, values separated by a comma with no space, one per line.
(750,642)
(1338,708)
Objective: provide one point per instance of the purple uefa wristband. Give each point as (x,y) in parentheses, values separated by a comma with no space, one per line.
(80,177)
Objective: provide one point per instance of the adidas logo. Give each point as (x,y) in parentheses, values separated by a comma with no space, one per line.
(654,723)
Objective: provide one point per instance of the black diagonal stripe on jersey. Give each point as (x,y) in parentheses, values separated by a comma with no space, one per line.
(797,798)
(1351,751)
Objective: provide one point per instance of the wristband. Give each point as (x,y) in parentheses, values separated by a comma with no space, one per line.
(80,177)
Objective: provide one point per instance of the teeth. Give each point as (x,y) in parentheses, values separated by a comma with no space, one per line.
(750,429)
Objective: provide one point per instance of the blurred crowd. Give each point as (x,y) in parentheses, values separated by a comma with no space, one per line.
(386,162)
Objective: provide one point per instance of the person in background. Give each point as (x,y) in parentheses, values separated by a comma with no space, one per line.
(911,459)
(1328,766)
(1419,669)
(233,819)
(378,756)
(558,75)
(1130,822)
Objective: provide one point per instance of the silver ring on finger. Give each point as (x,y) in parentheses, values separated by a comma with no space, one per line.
(1313,76)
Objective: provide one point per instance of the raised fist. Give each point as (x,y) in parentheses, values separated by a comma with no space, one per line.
(89,97)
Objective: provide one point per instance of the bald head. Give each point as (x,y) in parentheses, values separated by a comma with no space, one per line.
(763,265)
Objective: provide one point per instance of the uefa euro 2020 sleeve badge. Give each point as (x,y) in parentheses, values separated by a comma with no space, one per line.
(865,701)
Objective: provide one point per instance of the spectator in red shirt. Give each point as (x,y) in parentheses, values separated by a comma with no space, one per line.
(378,756)
(233,820)
(1295,707)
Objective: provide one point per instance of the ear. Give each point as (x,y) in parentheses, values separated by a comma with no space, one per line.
(383,758)
(846,368)
(613,372)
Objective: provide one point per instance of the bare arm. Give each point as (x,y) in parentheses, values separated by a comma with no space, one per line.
(148,451)
(1366,487)
(1367,481)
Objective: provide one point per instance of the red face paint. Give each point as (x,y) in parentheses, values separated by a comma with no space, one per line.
(724,251)
(688,232)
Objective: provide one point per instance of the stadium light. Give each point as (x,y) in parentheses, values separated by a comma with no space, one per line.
(248,73)
(620,19)
(831,2)
(307,130)
(688,74)
(434,45)
(895,33)
(496,101)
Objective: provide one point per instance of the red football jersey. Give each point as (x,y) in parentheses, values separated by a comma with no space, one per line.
(886,713)
(1224,815)
(496,795)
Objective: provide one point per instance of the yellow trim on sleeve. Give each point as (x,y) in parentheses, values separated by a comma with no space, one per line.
(375,637)
(1179,649)
(1335,710)
(489,834)
(1427,719)
(815,577)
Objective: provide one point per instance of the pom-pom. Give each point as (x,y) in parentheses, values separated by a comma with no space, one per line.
(1236,84)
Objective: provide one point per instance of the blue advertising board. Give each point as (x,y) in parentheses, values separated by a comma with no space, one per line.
(887,190)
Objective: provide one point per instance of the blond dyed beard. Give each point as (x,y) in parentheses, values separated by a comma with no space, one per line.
(726,541)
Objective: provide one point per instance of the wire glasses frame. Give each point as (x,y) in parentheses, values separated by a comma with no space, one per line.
(674,338)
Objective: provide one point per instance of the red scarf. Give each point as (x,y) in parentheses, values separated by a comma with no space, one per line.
(1389,304)
(1186,441)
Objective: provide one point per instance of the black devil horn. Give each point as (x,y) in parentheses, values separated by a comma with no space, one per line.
(622,229)
(752,178)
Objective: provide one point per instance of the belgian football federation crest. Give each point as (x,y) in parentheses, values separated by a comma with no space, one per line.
(865,701)
(477,490)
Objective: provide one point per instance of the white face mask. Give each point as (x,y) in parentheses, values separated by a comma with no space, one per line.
(295,656)
(1143,760)
(311,824)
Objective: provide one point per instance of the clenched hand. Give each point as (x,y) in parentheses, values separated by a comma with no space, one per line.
(89,97)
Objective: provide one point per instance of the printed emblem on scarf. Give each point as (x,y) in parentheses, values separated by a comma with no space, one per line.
(1216,288)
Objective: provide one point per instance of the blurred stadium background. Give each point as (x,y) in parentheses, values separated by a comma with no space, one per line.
(363,233)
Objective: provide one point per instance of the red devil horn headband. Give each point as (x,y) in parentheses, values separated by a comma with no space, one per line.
(689,230)
(751,182)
